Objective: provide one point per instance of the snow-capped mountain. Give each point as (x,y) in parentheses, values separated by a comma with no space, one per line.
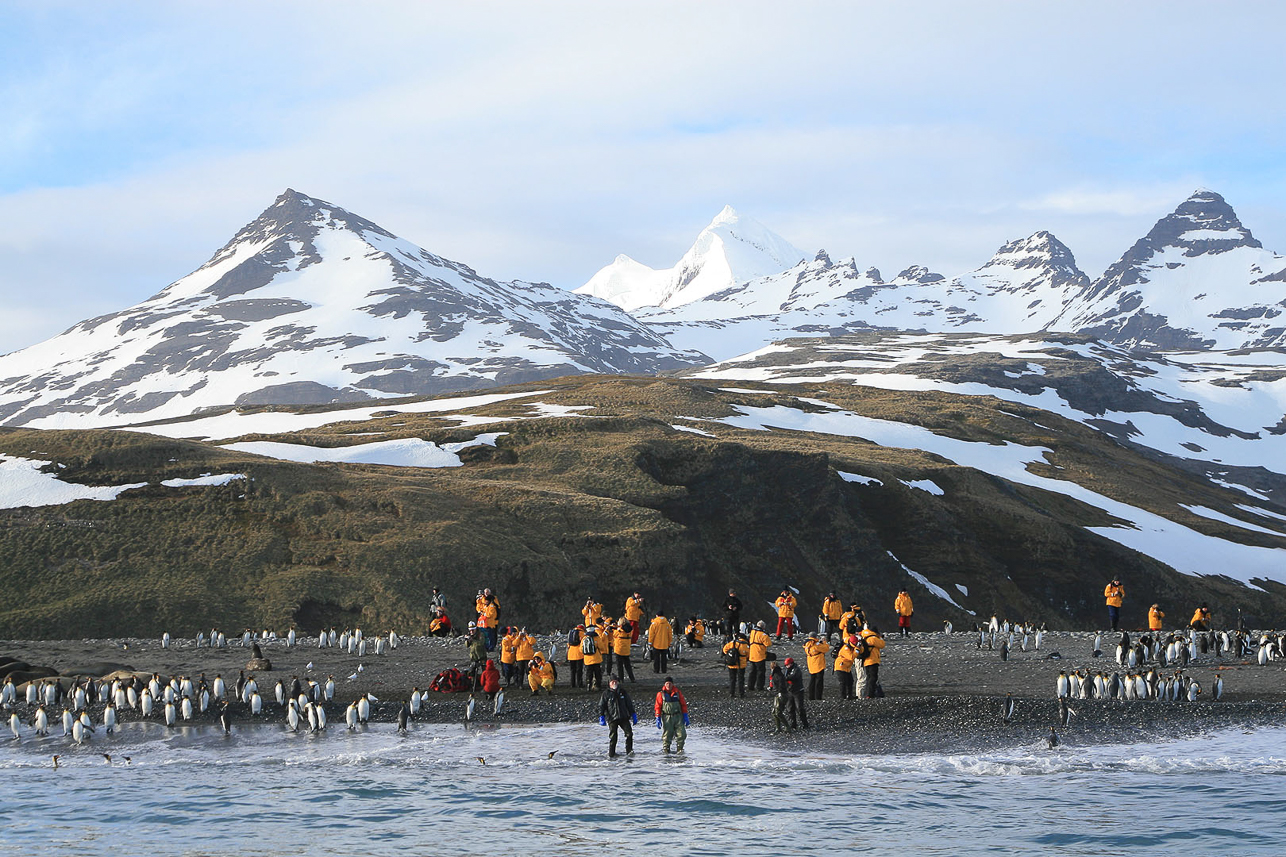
(1024,286)
(731,250)
(1198,279)
(312,304)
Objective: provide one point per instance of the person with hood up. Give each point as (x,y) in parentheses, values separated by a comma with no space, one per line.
(633,613)
(786,604)
(671,716)
(490,680)
(816,651)
(616,711)
(541,674)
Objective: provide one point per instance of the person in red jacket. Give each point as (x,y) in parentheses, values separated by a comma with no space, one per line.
(672,715)
(489,681)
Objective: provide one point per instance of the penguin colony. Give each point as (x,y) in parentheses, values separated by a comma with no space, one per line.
(180,699)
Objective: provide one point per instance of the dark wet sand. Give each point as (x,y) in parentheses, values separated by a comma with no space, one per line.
(944,693)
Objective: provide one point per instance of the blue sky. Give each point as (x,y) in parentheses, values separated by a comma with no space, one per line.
(537,141)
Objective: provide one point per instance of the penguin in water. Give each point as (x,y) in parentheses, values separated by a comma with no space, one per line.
(170,714)
(1010,708)
(292,715)
(1052,738)
(350,716)
(15,725)
(363,709)
(403,718)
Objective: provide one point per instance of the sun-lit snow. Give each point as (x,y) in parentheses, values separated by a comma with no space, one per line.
(1182,548)
(23,484)
(206,479)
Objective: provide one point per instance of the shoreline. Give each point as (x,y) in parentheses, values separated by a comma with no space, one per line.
(945,693)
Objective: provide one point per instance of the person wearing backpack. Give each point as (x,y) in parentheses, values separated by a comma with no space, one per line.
(671,716)
(736,654)
(844,660)
(576,657)
(624,637)
(871,662)
(589,646)
(760,642)
(616,711)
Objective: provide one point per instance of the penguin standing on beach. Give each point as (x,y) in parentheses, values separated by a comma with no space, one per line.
(1004,650)
(1010,708)
(1218,688)
(403,718)
(500,702)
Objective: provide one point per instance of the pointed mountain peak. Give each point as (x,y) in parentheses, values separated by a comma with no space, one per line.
(726,215)
(1039,250)
(1202,223)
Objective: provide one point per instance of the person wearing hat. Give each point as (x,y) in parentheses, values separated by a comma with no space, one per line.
(852,621)
(1155,618)
(671,716)
(576,657)
(759,642)
(844,659)
(541,675)
(616,711)
(816,650)
(870,645)
(477,643)
(736,653)
(438,600)
(1114,595)
(695,632)
(660,634)
(793,682)
(440,626)
(591,611)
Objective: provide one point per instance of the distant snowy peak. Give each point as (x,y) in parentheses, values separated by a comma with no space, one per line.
(310,303)
(731,250)
(1198,279)
(1043,256)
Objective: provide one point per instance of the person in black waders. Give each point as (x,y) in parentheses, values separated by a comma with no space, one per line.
(794,698)
(616,711)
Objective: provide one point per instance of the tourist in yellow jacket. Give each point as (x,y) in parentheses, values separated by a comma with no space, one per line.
(621,649)
(736,654)
(525,651)
(832,612)
(576,656)
(1155,617)
(816,649)
(509,657)
(592,645)
(660,634)
(905,610)
(541,675)
(760,642)
(695,632)
(844,659)
(634,613)
(786,603)
(871,643)
(1201,618)
(1114,595)
(591,611)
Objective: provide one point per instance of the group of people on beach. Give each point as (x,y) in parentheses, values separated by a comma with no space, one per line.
(1114,597)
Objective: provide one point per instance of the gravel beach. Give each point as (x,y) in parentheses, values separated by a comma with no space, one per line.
(945,694)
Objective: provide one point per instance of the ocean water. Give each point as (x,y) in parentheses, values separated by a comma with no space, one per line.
(192,790)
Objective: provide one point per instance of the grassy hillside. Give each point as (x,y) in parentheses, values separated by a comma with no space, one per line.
(601,503)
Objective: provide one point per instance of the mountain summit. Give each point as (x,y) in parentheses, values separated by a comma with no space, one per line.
(310,303)
(1198,279)
(731,250)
